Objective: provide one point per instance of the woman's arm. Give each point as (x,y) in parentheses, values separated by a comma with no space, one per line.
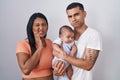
(28,63)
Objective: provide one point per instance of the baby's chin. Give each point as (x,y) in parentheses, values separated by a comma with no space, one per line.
(67,42)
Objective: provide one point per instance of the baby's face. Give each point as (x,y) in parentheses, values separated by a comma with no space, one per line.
(67,37)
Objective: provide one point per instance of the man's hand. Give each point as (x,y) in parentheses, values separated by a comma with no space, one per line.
(59,55)
(59,68)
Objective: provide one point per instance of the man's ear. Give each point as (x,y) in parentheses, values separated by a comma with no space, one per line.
(84,14)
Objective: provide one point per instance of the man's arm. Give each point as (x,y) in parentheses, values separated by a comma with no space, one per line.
(58,48)
(86,63)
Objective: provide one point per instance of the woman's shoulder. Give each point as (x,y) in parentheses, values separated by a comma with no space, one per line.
(23,42)
(48,40)
(23,46)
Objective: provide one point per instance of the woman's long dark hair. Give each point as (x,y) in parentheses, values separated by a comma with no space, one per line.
(30,34)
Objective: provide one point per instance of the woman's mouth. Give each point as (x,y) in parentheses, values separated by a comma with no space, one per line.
(40,32)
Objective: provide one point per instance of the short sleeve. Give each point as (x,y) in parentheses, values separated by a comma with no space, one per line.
(95,41)
(22,47)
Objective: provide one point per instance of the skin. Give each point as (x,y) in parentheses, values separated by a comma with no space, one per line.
(59,68)
(67,36)
(28,63)
(76,18)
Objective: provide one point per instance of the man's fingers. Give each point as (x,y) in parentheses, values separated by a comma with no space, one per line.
(55,65)
(59,68)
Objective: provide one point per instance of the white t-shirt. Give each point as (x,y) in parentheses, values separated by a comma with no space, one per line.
(89,39)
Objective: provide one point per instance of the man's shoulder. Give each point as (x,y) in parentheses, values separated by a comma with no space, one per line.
(93,31)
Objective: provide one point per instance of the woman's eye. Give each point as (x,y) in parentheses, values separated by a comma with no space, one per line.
(37,25)
(43,24)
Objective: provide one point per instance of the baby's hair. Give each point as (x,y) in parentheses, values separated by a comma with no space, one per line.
(64,28)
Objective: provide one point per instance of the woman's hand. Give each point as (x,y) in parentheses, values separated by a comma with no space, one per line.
(59,68)
(39,41)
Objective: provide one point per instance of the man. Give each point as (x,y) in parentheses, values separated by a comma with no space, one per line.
(88,43)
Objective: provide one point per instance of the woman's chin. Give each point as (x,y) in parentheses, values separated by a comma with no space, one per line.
(42,36)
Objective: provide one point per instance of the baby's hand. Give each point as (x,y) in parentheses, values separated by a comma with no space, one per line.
(69,72)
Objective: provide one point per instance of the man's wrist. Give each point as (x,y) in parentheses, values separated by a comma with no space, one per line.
(65,55)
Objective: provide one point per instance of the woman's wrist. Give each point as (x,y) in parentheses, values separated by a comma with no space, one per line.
(39,49)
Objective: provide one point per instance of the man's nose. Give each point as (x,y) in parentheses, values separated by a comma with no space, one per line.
(73,18)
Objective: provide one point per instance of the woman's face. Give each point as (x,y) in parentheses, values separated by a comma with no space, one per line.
(40,27)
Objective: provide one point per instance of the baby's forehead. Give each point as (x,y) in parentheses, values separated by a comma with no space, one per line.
(66,30)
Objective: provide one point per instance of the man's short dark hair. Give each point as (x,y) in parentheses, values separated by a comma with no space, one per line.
(75,4)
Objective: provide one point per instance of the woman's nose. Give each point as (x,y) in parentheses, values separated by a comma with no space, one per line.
(40,27)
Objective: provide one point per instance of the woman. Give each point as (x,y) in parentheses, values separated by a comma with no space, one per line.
(34,54)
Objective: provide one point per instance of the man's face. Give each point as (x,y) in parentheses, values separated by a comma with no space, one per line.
(76,17)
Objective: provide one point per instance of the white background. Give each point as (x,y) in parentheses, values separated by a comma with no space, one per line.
(103,15)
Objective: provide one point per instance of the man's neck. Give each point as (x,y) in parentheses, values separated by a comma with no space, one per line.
(79,31)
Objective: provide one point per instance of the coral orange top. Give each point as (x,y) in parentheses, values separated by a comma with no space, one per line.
(45,63)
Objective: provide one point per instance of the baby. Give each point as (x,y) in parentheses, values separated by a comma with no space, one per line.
(64,43)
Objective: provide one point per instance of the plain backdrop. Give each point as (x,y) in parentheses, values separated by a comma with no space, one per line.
(103,15)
